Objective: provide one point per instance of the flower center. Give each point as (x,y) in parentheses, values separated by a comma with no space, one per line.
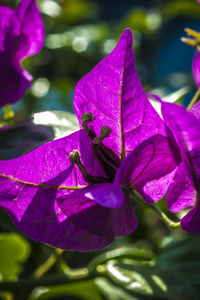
(108,160)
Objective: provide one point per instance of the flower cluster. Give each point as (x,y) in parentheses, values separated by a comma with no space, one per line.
(74,193)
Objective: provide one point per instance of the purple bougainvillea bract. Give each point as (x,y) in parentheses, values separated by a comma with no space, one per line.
(21,35)
(184,189)
(47,196)
(196,68)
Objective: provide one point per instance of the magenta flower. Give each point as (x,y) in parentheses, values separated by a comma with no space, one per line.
(184,189)
(73,193)
(196,68)
(21,35)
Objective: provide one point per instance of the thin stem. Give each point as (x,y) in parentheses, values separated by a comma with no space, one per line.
(138,254)
(48,264)
(73,273)
(46,281)
(170,224)
(93,270)
(194,99)
(42,269)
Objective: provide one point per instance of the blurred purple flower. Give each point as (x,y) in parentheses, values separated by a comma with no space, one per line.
(184,189)
(21,35)
(196,68)
(73,193)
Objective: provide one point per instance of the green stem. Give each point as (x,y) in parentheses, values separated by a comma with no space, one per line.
(92,271)
(45,281)
(194,99)
(170,224)
(73,273)
(45,267)
(48,264)
(138,254)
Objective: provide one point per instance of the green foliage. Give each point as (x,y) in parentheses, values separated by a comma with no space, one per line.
(14,252)
(111,291)
(83,290)
(143,21)
(173,275)
(22,137)
(181,7)
(60,122)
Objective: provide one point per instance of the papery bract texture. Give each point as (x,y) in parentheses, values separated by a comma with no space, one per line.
(184,189)
(195,110)
(190,222)
(147,167)
(46,195)
(113,93)
(31,185)
(22,35)
(196,68)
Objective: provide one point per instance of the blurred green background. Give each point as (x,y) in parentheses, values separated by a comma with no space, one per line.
(79,34)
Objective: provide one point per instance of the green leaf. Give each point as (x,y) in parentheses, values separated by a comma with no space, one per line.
(85,290)
(185,257)
(18,138)
(174,274)
(62,123)
(111,291)
(22,137)
(130,279)
(174,97)
(177,95)
(14,251)
(153,280)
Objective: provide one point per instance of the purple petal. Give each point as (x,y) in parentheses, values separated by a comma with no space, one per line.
(86,213)
(149,167)
(185,127)
(105,194)
(8,31)
(191,221)
(22,30)
(195,110)
(124,221)
(113,93)
(196,68)
(31,35)
(181,193)
(13,83)
(96,219)
(30,186)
